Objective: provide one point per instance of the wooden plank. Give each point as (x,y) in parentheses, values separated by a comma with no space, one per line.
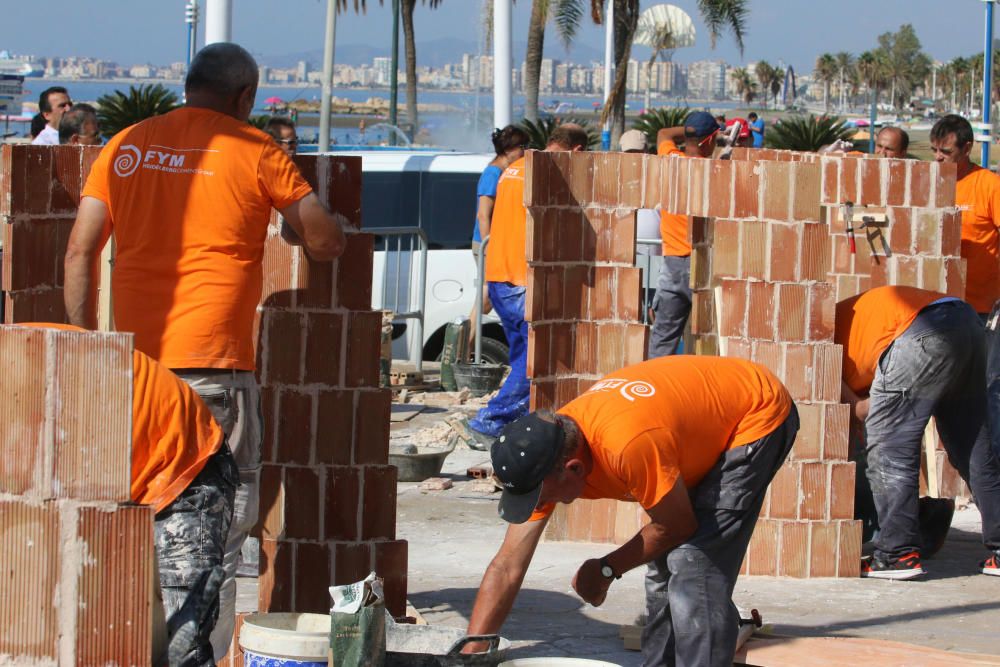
(839,651)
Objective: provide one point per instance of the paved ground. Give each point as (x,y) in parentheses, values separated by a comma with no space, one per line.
(454,534)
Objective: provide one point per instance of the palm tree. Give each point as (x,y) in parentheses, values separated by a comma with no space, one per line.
(845,63)
(746,87)
(776,80)
(654,120)
(539,131)
(824,72)
(764,72)
(663,40)
(566,14)
(118,110)
(410,48)
(806,134)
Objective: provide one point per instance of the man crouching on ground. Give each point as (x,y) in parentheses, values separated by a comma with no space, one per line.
(695,441)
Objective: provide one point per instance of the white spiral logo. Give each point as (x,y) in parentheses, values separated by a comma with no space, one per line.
(127,161)
(637,389)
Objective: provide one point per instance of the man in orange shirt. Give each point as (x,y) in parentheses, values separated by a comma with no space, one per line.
(977,194)
(910,354)
(188,196)
(506,276)
(672,302)
(183,468)
(695,441)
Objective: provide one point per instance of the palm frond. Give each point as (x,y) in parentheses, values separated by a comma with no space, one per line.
(720,15)
(654,120)
(806,134)
(567,16)
(119,110)
(539,131)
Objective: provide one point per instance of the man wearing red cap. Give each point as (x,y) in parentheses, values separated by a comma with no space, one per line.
(694,440)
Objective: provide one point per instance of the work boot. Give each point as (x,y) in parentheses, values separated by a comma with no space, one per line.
(991,565)
(905,567)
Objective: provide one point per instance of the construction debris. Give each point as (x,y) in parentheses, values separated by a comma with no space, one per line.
(436,484)
(480,472)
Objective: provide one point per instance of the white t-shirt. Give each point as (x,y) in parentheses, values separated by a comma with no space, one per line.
(647,227)
(47,137)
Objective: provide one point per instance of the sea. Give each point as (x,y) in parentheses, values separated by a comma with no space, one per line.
(465,125)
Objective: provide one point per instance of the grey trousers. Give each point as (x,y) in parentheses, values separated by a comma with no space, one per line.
(234,399)
(691,620)
(671,305)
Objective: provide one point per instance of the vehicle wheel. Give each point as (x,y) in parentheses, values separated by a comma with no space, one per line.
(495,352)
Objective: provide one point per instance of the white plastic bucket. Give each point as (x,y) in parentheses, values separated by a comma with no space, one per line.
(285,640)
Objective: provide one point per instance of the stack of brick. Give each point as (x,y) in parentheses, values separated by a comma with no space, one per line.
(76,560)
(326,420)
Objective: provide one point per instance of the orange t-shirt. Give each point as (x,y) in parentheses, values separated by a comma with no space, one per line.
(675,230)
(868,323)
(978,195)
(671,416)
(506,255)
(190,196)
(173,432)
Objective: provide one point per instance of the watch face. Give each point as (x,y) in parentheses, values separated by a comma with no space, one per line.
(607,572)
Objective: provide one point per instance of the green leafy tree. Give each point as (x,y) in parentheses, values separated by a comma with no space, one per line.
(806,134)
(119,110)
(905,63)
(539,131)
(762,71)
(654,120)
(824,72)
(746,87)
(845,66)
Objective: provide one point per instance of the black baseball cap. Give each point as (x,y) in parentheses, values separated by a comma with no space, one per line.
(700,124)
(523,455)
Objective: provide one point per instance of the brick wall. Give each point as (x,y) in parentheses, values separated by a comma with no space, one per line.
(326,420)
(768,267)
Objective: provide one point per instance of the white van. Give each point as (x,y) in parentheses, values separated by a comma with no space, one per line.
(435,191)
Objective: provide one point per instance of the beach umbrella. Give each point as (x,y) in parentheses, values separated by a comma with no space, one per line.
(274,100)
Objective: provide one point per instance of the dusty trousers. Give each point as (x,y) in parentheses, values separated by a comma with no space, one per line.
(691,620)
(671,305)
(234,399)
(936,368)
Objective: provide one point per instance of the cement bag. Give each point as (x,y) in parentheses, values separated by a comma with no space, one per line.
(357,624)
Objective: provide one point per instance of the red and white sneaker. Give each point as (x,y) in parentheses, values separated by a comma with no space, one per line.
(906,567)
(991,565)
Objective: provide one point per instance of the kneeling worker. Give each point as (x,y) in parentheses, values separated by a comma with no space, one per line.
(695,441)
(183,468)
(910,354)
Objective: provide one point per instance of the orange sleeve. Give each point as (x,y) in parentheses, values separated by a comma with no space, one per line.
(649,466)
(542,511)
(993,204)
(280,178)
(97,182)
(668,147)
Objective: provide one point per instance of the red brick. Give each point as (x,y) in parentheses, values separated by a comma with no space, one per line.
(603,293)
(733,308)
(850,176)
(849,556)
(739,348)
(746,190)
(371,439)
(92,392)
(558,174)
(753,250)
(607,184)
(927,229)
(776,185)
(568,225)
(42,305)
(651,193)
(585,352)
(312,578)
(566,390)
(582,178)
(342,503)
(562,354)
(702,319)
(576,292)
(871,182)
(302,515)
(354,269)
(814,263)
(951,233)
(391,566)
(843,259)
(378,518)
(823,549)
(726,249)
(831,180)
(22,411)
(762,552)
(827,372)
(636,342)
(807,179)
(770,355)
(271,515)
(822,312)
(534,234)
(583,385)
(920,183)
(67,179)
(798,375)
(315,284)
(364,349)
(841,490)
(323,347)
(268,407)
(339,185)
(932,275)
(813,485)
(907,271)
(720,188)
(785,492)
(32,254)
(274,586)
(896,183)
(794,560)
(628,294)
(630,174)
(809,438)
(534,291)
(702,231)
(552,305)
(622,229)
(836,430)
(954,273)
(610,347)
(900,235)
(115,586)
(543,395)
(334,427)
(30,567)
(760,318)
(792,309)
(783,251)
(945,177)
(351,563)
(283,345)
(539,358)
(279,278)
(294,427)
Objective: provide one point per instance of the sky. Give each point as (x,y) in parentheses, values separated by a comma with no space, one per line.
(789,31)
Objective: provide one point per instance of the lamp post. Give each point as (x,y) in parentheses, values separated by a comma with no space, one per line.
(394,74)
(609,55)
(987,83)
(191,19)
(218,21)
(501,63)
(328,50)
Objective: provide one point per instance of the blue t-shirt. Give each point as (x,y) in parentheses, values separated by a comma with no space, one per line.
(487,188)
(757,127)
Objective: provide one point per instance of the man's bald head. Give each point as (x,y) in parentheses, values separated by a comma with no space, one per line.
(892,142)
(222,77)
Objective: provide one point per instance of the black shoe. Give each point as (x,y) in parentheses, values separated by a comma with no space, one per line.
(906,567)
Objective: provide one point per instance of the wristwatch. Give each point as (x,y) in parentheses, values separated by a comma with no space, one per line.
(607,571)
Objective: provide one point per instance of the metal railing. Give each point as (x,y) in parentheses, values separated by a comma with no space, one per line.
(401,245)
(480,284)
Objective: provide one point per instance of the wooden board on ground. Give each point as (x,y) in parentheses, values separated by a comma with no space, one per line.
(402,413)
(839,651)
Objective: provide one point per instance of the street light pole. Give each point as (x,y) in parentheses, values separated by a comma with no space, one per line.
(191,18)
(501,63)
(328,51)
(394,74)
(987,83)
(609,55)
(218,21)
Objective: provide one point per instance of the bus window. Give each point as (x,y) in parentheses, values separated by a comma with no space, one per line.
(448,209)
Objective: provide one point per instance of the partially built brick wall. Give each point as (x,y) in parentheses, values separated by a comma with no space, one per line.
(768,267)
(328,497)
